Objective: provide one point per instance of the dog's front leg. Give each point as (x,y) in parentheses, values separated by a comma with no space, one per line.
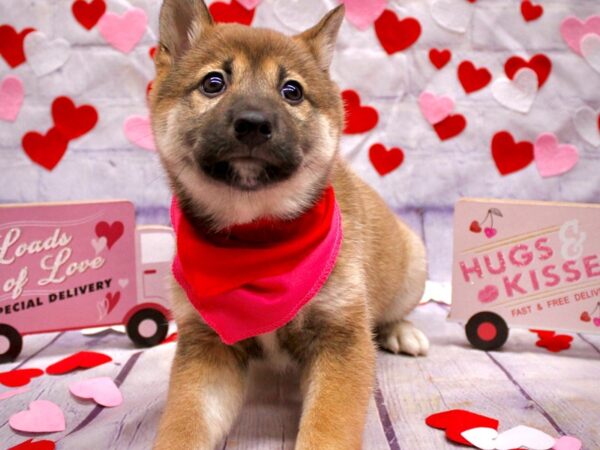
(206,392)
(339,382)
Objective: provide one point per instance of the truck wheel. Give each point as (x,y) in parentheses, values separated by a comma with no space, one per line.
(147,327)
(486,331)
(11,343)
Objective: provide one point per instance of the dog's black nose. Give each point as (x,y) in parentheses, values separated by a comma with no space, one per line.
(252,127)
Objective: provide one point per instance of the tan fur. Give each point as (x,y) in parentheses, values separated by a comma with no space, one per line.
(378,278)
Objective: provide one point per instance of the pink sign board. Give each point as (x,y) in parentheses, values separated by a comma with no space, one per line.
(525,264)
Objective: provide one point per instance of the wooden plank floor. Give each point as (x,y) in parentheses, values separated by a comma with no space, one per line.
(522,384)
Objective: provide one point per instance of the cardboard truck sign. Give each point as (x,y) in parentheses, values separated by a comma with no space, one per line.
(77,265)
(525,264)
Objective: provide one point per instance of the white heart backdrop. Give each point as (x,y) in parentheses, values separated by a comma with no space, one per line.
(590,50)
(519,93)
(46,55)
(454,15)
(587,124)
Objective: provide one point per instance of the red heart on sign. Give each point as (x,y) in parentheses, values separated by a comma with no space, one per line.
(11,45)
(530,11)
(385,160)
(451,126)
(20,377)
(552,341)
(111,232)
(88,14)
(394,34)
(472,78)
(37,445)
(46,150)
(232,12)
(455,421)
(585,317)
(475,227)
(359,119)
(439,58)
(113,299)
(539,63)
(80,360)
(510,156)
(71,120)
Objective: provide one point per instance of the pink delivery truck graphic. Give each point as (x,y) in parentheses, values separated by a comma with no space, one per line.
(525,264)
(77,265)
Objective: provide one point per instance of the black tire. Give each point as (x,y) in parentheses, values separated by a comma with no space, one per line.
(15,343)
(492,336)
(162,327)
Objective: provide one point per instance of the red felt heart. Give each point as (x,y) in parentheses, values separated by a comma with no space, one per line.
(472,78)
(359,119)
(451,126)
(113,300)
(149,88)
(80,360)
(232,12)
(539,63)
(552,341)
(531,11)
(585,317)
(11,45)
(510,156)
(88,14)
(20,377)
(37,445)
(394,34)
(171,338)
(455,421)
(152,52)
(71,120)
(385,160)
(45,149)
(111,232)
(439,58)
(475,227)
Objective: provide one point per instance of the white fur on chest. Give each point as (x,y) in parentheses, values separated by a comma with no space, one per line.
(272,351)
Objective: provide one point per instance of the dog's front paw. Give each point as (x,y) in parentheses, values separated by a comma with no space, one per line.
(403,337)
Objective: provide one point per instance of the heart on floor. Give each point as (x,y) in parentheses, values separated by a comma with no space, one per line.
(539,63)
(102,390)
(455,421)
(587,124)
(71,120)
(111,232)
(125,31)
(233,12)
(385,161)
(519,93)
(358,118)
(510,156)
(450,127)
(435,108)
(138,131)
(45,149)
(567,443)
(453,15)
(12,392)
(530,11)
(120,329)
(19,377)
(396,34)
(37,445)
(80,360)
(590,50)
(45,55)
(572,29)
(12,94)
(552,341)
(551,158)
(520,436)
(439,58)
(43,416)
(88,14)
(471,78)
(363,14)
(11,45)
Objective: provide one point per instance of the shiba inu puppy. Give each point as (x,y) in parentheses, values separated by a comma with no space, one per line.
(247,123)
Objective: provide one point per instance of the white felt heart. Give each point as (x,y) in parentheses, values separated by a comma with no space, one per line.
(523,436)
(435,109)
(42,416)
(45,55)
(296,15)
(102,390)
(99,244)
(454,15)
(519,93)
(552,158)
(249,4)
(587,124)
(97,330)
(590,49)
(481,437)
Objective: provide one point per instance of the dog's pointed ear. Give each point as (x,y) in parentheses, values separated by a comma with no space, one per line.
(322,37)
(181,22)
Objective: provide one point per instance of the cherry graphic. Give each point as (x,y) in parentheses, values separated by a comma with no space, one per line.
(489,231)
(592,316)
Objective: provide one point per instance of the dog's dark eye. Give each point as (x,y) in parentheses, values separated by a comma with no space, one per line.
(292,92)
(213,84)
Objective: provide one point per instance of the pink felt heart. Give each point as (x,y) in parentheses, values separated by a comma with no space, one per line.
(102,390)
(551,158)
(363,14)
(435,109)
(137,130)
(123,32)
(573,29)
(42,416)
(249,4)
(12,392)
(11,97)
(567,443)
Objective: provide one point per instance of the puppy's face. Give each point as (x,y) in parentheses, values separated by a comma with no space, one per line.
(247,121)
